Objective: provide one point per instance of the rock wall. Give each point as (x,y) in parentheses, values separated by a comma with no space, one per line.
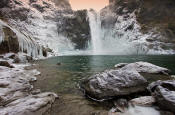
(76,28)
(147,23)
(52,24)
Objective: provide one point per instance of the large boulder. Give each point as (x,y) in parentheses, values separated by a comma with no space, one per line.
(112,83)
(164,93)
(124,80)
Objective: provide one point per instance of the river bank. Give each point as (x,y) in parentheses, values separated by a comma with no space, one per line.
(17,95)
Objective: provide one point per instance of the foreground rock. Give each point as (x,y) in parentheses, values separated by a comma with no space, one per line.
(16,93)
(143,101)
(164,93)
(30,105)
(114,83)
(126,79)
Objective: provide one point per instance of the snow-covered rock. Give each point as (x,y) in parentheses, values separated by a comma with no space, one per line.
(164,93)
(143,101)
(136,23)
(16,93)
(144,67)
(113,83)
(12,40)
(125,79)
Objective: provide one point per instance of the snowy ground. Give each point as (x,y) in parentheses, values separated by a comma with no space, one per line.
(17,96)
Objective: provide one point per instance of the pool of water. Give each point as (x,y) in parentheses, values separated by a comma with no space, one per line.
(63,75)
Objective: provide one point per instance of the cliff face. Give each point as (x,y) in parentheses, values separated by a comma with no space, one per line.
(158,14)
(147,25)
(151,22)
(76,28)
(62,3)
(52,24)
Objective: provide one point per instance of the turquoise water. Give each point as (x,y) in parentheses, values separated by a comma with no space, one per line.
(74,68)
(64,78)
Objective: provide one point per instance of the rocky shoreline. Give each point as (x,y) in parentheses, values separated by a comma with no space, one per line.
(126,80)
(126,84)
(17,96)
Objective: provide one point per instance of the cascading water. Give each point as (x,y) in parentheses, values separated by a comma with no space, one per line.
(104,41)
(95,26)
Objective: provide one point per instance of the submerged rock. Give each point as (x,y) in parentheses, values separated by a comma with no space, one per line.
(114,83)
(164,93)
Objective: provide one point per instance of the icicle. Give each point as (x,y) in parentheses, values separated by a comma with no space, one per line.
(26,44)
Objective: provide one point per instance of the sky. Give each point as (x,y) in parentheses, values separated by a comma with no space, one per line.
(87,4)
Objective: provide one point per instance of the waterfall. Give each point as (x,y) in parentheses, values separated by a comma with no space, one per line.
(95,30)
(104,41)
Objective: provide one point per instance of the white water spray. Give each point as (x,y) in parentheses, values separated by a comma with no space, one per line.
(104,41)
(137,110)
(95,26)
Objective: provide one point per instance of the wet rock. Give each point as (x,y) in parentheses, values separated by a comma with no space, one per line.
(143,101)
(121,105)
(44,51)
(112,83)
(22,58)
(6,64)
(120,65)
(164,93)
